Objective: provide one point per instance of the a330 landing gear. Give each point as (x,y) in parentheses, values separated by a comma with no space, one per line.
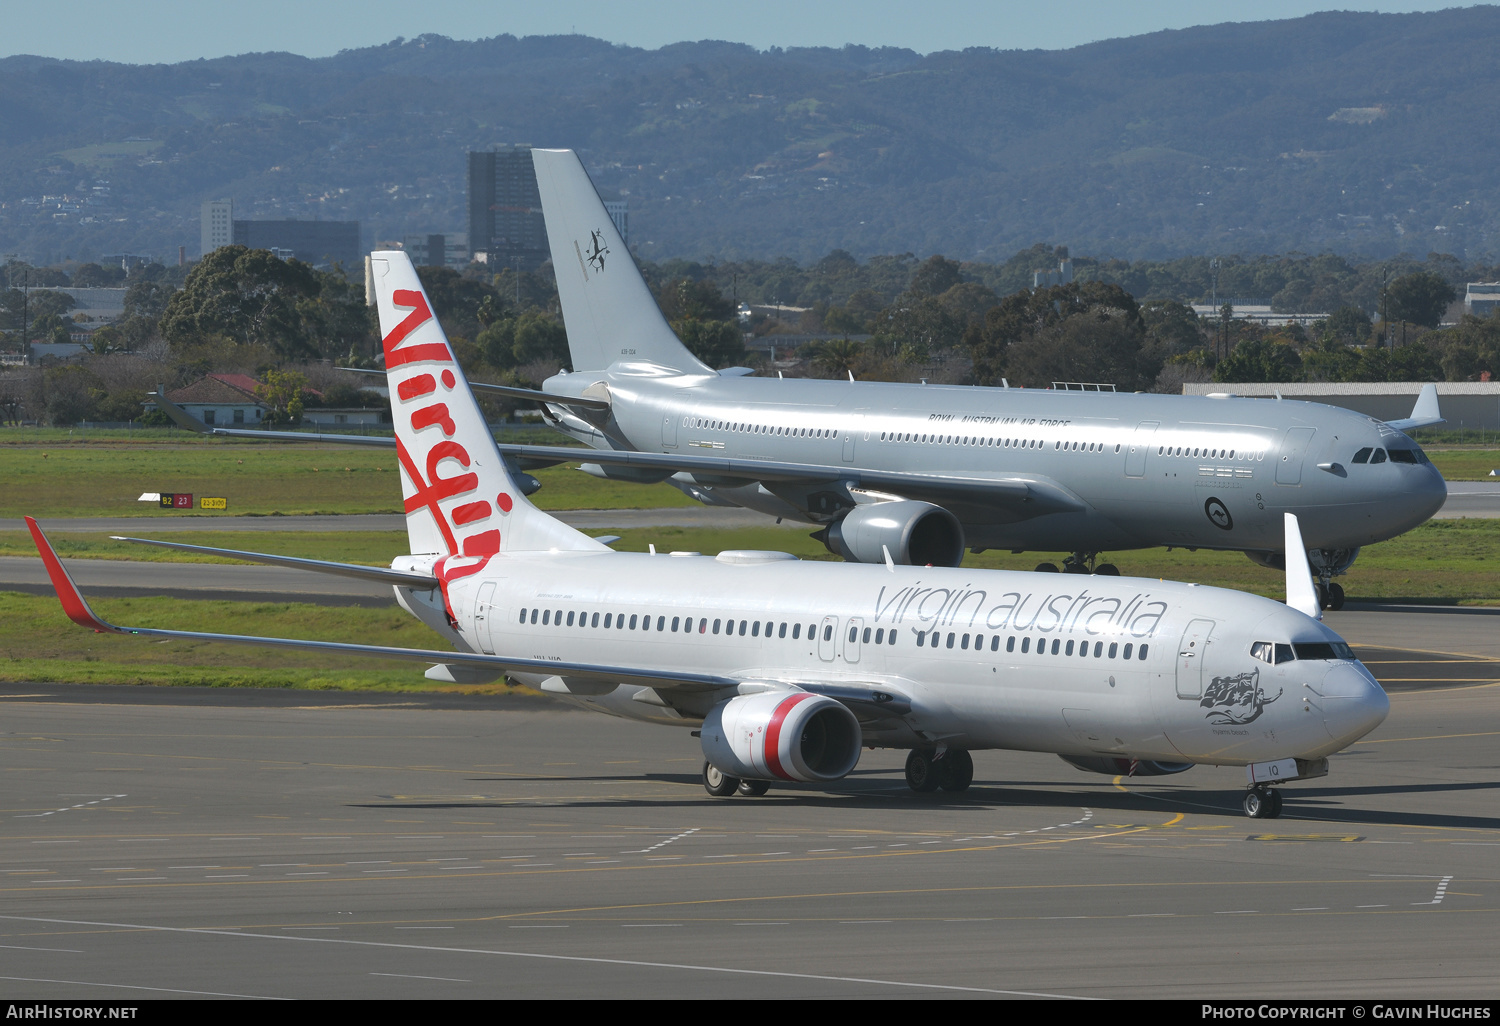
(1262,802)
(1081,563)
(926,772)
(721,785)
(1330,596)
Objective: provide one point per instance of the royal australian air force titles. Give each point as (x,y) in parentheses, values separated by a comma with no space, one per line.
(1073,472)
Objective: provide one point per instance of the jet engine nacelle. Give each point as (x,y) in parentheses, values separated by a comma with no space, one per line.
(782,735)
(1120,766)
(916,533)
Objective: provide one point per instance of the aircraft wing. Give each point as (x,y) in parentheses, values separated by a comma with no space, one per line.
(78,611)
(1022,495)
(1424,414)
(380,575)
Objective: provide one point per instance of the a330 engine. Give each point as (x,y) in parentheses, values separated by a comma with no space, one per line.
(782,735)
(917,534)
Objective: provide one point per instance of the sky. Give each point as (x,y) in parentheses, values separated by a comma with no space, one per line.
(168,31)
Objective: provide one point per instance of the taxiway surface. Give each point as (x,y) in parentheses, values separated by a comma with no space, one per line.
(291,844)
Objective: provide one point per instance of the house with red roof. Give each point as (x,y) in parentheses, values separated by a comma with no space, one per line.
(222,399)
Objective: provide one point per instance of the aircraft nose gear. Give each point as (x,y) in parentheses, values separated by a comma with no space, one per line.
(718,783)
(753,788)
(1328,564)
(1262,802)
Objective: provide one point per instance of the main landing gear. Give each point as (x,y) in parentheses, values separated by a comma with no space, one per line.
(926,771)
(1081,563)
(721,785)
(1262,802)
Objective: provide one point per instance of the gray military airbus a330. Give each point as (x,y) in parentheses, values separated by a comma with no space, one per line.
(925,470)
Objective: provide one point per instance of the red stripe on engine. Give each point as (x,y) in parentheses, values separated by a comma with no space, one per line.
(773,734)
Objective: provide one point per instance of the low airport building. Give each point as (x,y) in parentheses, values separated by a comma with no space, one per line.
(1465,404)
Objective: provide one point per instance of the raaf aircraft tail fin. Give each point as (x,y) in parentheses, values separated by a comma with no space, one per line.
(610,314)
(460,500)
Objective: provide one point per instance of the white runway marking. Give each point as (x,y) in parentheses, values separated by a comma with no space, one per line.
(632,963)
(70,808)
(661,844)
(157,990)
(409,976)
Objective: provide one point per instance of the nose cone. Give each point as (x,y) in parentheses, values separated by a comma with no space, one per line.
(1353,702)
(1421,494)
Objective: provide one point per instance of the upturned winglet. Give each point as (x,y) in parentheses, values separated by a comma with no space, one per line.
(67,592)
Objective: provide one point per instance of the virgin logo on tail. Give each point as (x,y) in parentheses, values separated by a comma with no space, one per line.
(426,390)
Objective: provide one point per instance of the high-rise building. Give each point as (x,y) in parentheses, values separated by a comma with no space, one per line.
(619,213)
(450,250)
(505,209)
(320,243)
(216,225)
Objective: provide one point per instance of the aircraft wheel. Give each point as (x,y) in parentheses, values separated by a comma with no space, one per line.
(1046,568)
(718,783)
(1335,597)
(955,770)
(1107,570)
(921,772)
(1075,568)
(1275,797)
(753,788)
(1259,803)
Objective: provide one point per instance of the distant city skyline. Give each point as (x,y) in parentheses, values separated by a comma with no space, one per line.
(171,31)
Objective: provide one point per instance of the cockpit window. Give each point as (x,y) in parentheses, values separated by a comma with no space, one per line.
(1268,652)
(1379,456)
(1363,456)
(1324,650)
(1408,456)
(1279,652)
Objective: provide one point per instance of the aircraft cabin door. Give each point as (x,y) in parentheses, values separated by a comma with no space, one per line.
(1293,449)
(484,612)
(1190,656)
(669,430)
(851,434)
(828,641)
(1135,458)
(852,640)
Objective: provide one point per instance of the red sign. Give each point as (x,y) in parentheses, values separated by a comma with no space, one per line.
(176,500)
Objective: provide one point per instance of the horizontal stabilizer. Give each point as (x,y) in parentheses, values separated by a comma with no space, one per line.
(1424,414)
(363,573)
(513,392)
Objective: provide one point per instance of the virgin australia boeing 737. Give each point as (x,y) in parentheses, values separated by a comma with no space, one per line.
(927,470)
(789,668)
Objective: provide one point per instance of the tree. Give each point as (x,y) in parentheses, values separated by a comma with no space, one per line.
(1349,323)
(282,391)
(247,296)
(1264,359)
(836,358)
(934,276)
(147,298)
(1421,298)
(1028,337)
(94,276)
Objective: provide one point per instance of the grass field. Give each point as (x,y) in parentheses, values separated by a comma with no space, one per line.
(39,644)
(107,479)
